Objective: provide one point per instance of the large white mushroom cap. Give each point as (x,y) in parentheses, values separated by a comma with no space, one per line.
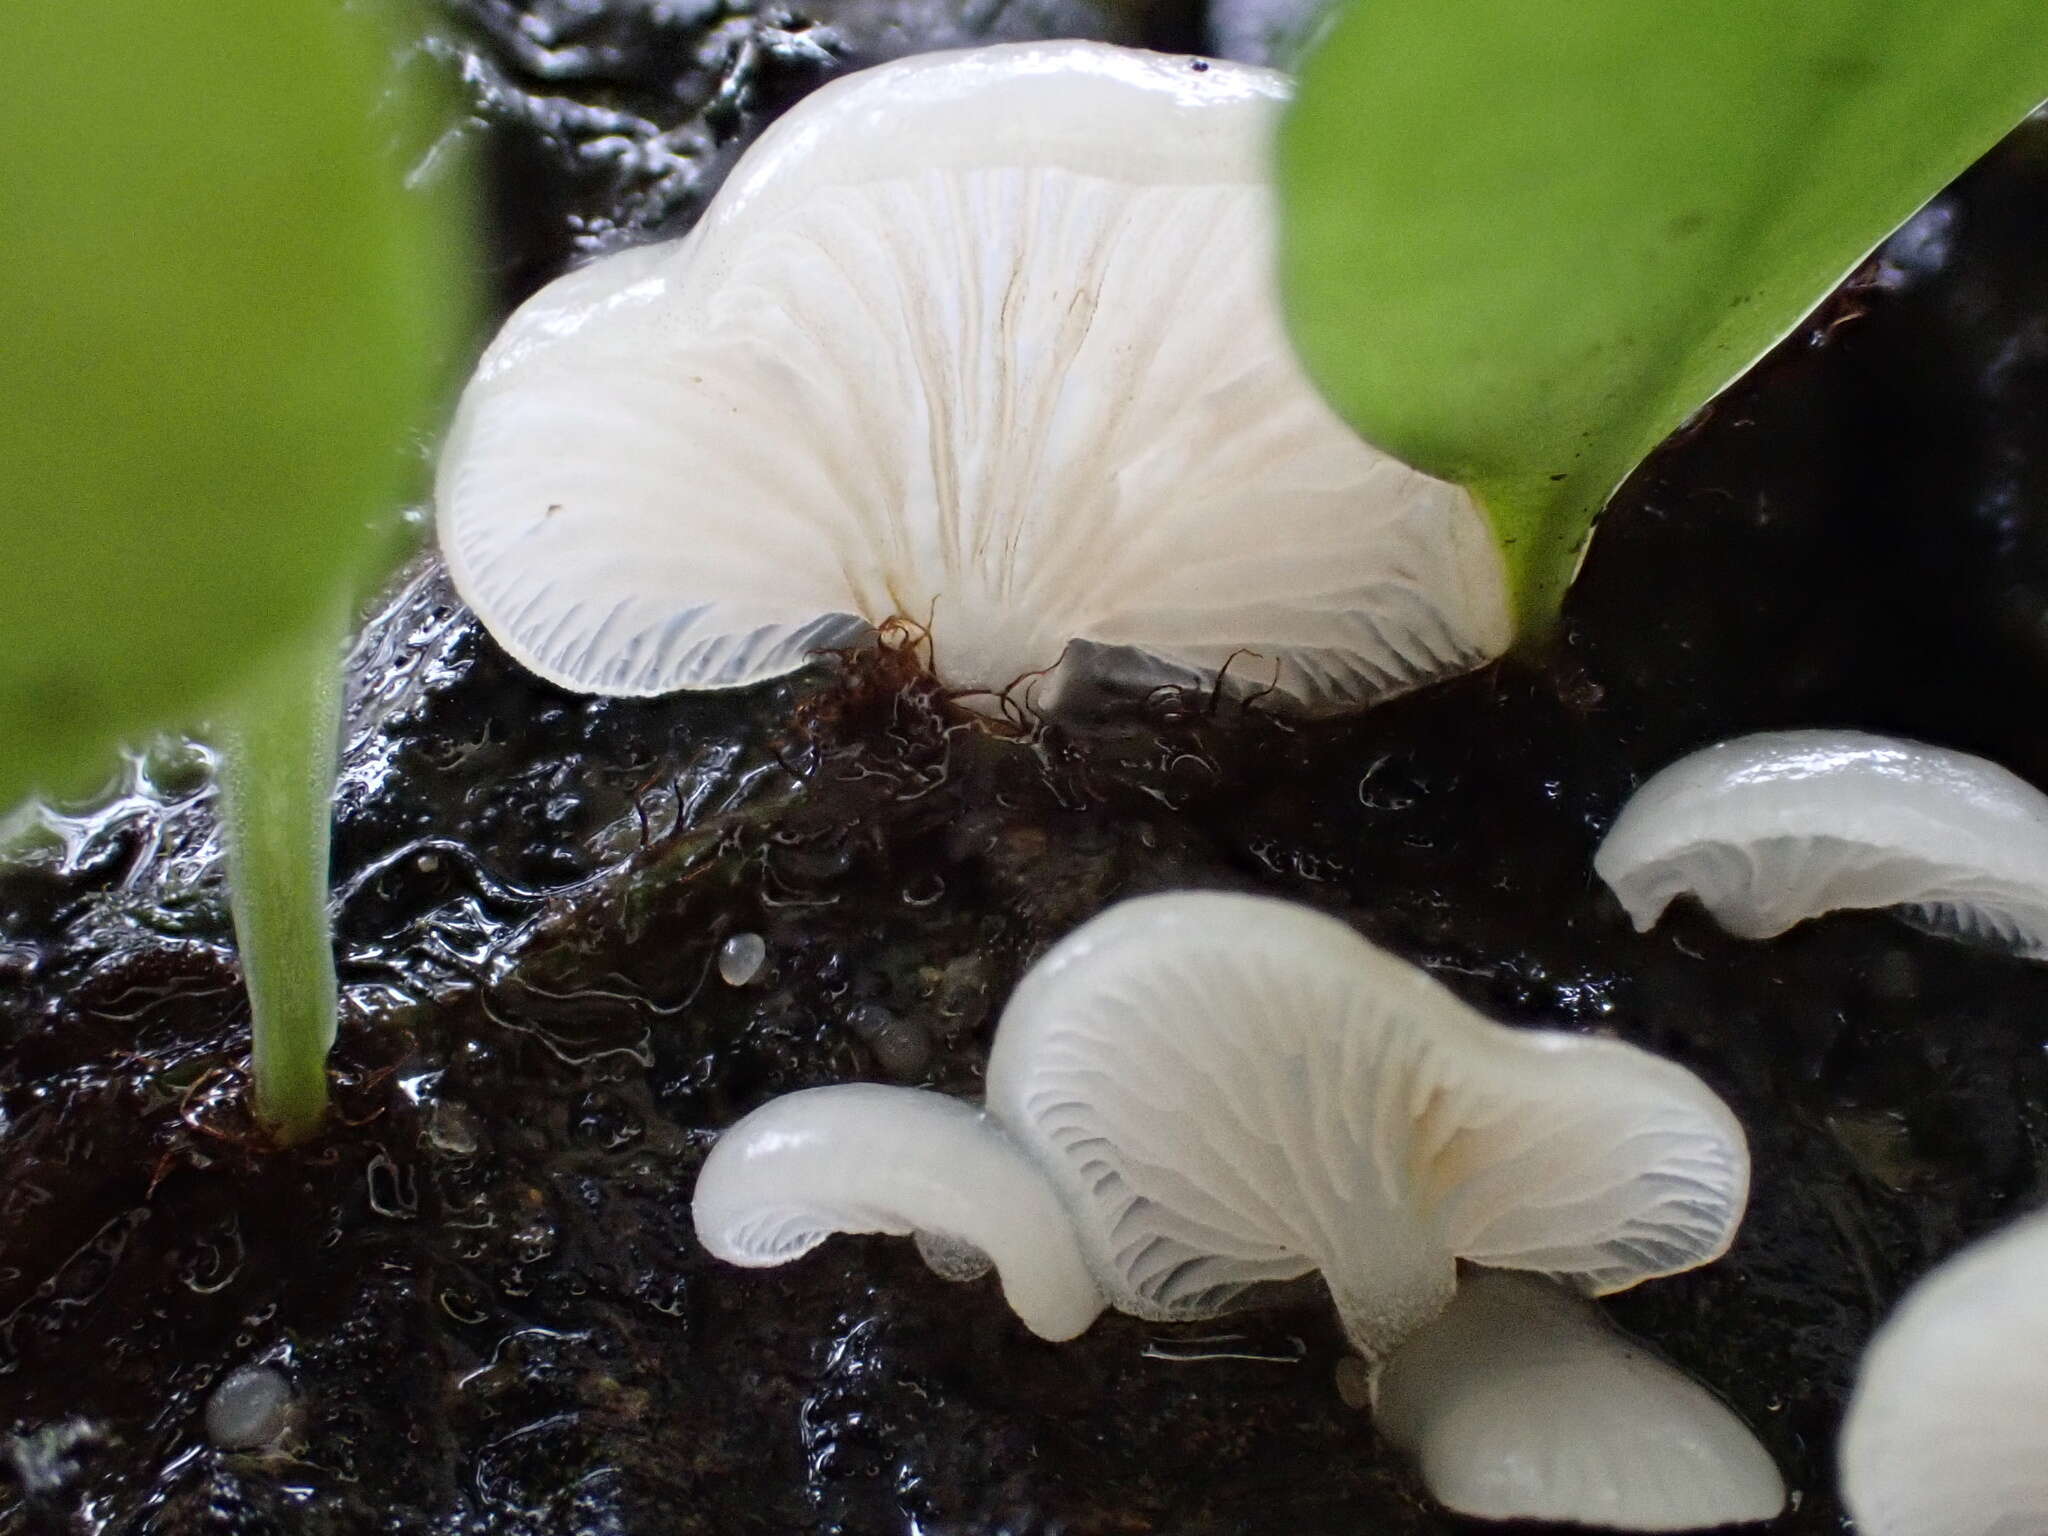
(864,1157)
(1230,1090)
(1521,1402)
(988,339)
(1772,829)
(1947,1433)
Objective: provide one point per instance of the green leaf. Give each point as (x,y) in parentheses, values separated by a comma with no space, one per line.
(1524,241)
(222,328)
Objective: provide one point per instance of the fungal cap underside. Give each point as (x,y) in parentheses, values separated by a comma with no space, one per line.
(1770,830)
(1007,360)
(1230,1090)
(866,1157)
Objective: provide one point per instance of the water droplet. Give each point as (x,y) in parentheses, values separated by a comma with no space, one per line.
(453,1129)
(249,1408)
(175,767)
(740,958)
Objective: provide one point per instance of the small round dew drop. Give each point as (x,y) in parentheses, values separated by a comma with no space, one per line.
(740,958)
(249,1409)
(176,768)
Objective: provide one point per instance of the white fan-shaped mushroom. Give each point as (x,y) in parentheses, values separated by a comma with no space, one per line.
(1770,830)
(1947,1433)
(1521,1403)
(862,1157)
(988,339)
(1229,1090)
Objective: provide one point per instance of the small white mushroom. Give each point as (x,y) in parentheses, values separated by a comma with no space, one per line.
(863,1157)
(989,339)
(1229,1090)
(1947,1433)
(1772,829)
(1521,1402)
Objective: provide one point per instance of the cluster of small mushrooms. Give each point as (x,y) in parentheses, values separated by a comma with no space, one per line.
(1199,1094)
(989,341)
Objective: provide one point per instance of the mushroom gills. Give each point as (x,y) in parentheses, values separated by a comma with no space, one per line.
(864,1157)
(1770,830)
(1947,1429)
(1986,927)
(987,341)
(1229,1091)
(1521,1402)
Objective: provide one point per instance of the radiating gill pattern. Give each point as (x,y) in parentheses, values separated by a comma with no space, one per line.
(1373,642)
(1770,830)
(1762,889)
(1759,889)
(1992,920)
(1273,1095)
(978,417)
(868,1157)
(1670,1187)
(1029,406)
(1059,455)
(779,1234)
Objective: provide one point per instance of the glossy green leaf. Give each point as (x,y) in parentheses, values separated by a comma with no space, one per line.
(222,327)
(1524,241)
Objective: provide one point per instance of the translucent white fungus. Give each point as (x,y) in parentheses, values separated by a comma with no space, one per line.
(740,958)
(862,1157)
(988,340)
(1947,1433)
(1770,830)
(1521,1403)
(1229,1090)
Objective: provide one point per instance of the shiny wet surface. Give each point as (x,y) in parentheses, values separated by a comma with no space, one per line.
(482,1287)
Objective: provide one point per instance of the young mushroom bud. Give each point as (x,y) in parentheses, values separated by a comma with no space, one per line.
(989,340)
(1947,1433)
(1521,1403)
(1772,829)
(1229,1090)
(862,1157)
